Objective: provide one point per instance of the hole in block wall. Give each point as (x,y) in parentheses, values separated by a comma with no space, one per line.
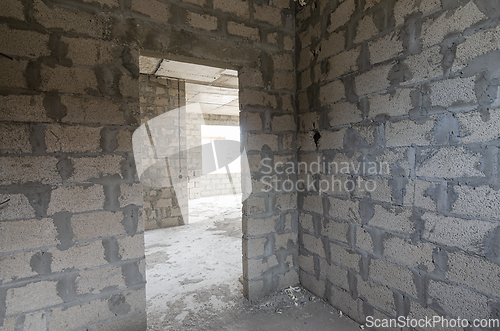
(190,170)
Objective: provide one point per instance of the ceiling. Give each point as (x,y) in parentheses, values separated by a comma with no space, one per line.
(209,89)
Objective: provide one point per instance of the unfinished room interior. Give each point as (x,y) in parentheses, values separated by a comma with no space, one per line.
(343,155)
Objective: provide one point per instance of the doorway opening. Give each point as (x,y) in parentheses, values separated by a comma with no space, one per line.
(191,174)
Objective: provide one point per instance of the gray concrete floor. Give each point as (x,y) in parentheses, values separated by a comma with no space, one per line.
(193,279)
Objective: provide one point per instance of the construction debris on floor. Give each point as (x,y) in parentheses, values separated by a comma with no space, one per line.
(193,279)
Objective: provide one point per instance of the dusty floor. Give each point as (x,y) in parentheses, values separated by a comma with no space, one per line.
(193,274)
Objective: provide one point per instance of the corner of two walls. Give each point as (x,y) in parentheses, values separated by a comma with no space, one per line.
(410,89)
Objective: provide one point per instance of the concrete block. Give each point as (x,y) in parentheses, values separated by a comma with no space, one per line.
(335,274)
(344,256)
(374,80)
(395,220)
(334,44)
(267,14)
(481,201)
(341,15)
(76,199)
(253,205)
(306,262)
(96,280)
(131,247)
(287,143)
(78,316)
(437,163)
(395,156)
(474,129)
(397,103)
(306,141)
(31,297)
(251,121)
(311,283)
(23,43)
(347,210)
(253,247)
(129,87)
(19,235)
(385,48)
(203,22)
(468,235)
(379,187)
(248,76)
(12,73)
(450,92)
(272,38)
(288,43)
(78,80)
(344,113)
(255,268)
(343,63)
(89,51)
(423,198)
(257,98)
(409,133)
(284,80)
(333,139)
(286,201)
(404,8)
(459,301)
(290,278)
(306,222)
(17,140)
(36,169)
(364,240)
(424,66)
(377,295)
(155,9)
(313,203)
(131,195)
(304,59)
(335,230)
(331,92)
(393,275)
(63,138)
(35,321)
(96,225)
(87,169)
(68,20)
(240,8)
(79,256)
(285,241)
(474,272)
(313,245)
(366,29)
(283,123)
(124,138)
(92,111)
(308,35)
(475,45)
(12,8)
(283,61)
(256,141)
(16,266)
(436,29)
(417,255)
(23,108)
(8,323)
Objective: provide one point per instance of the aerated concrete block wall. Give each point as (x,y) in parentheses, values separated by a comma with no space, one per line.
(207,185)
(164,206)
(71,236)
(71,241)
(411,88)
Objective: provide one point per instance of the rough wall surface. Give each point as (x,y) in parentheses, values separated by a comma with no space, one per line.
(71,243)
(411,86)
(163,207)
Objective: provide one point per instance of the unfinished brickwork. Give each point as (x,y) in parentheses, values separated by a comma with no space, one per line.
(410,89)
(164,206)
(72,252)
